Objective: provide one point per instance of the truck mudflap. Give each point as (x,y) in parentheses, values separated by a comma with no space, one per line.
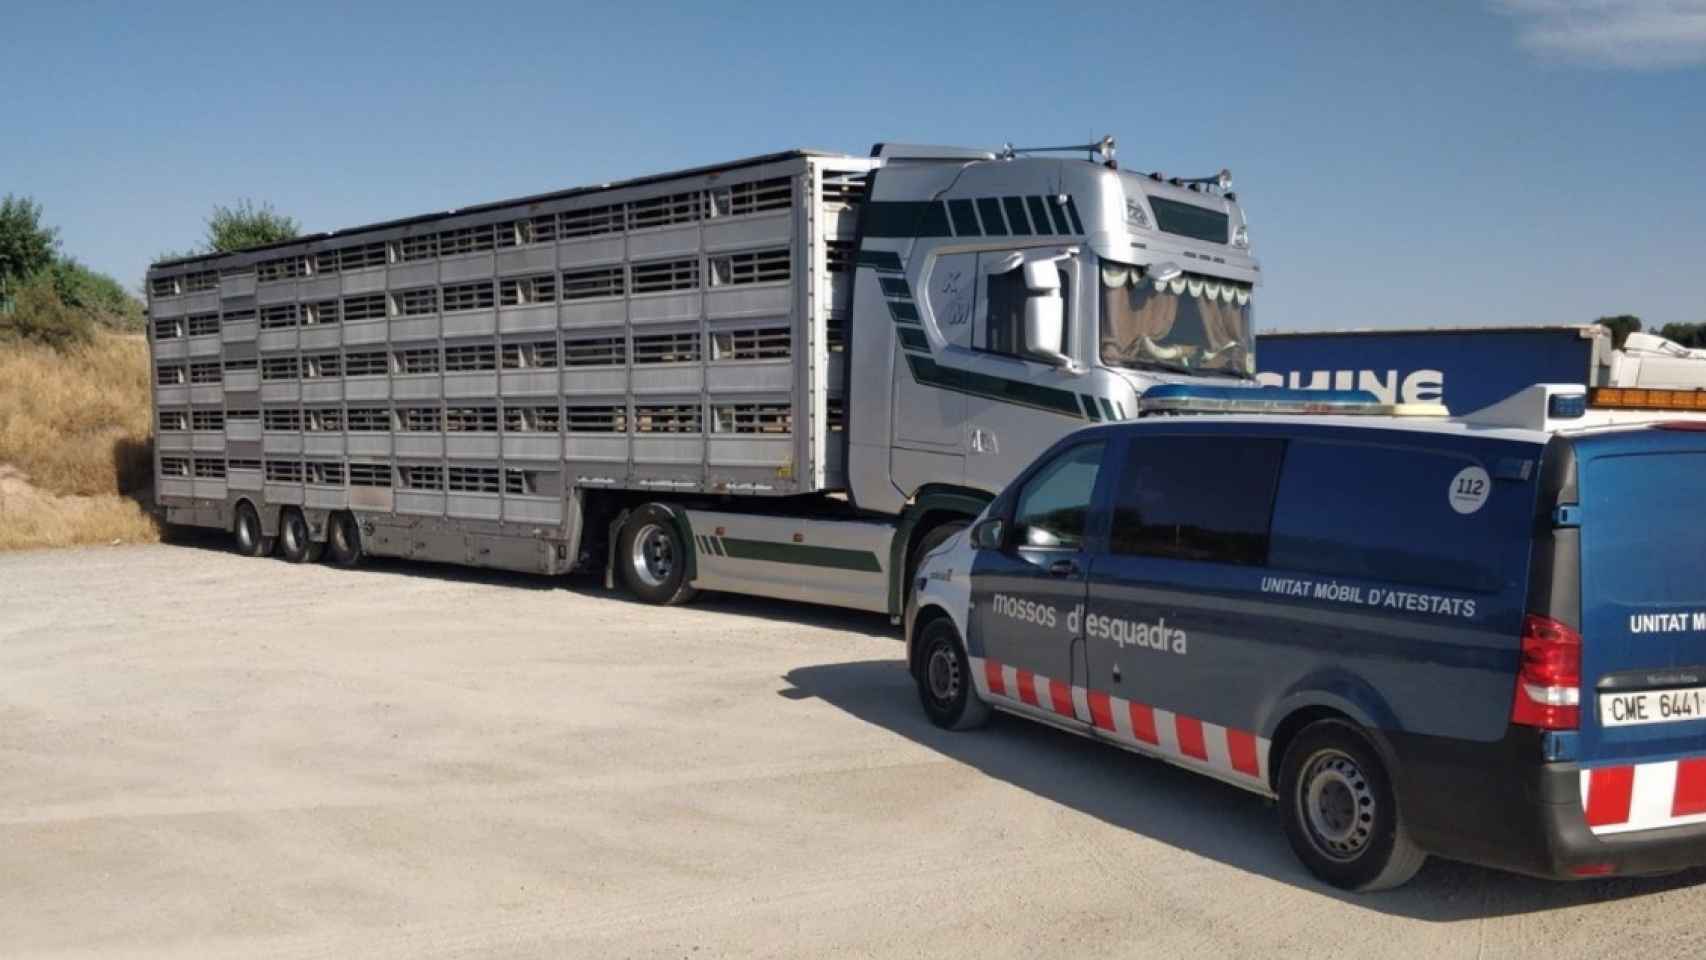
(1499,804)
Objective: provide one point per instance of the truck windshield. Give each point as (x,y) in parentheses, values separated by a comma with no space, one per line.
(1191,323)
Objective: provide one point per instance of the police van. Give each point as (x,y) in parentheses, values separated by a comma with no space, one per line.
(1481,638)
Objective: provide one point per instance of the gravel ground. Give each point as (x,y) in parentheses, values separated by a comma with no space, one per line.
(206,755)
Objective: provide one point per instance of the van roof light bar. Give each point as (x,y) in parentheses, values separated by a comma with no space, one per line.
(1191,398)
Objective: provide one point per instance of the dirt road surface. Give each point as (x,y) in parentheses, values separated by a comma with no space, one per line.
(202,755)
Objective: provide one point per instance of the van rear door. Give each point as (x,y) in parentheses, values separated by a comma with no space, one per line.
(1643,607)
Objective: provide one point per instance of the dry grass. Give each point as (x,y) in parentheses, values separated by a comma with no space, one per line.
(74,429)
(32,518)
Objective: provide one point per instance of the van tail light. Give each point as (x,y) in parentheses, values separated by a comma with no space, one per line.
(1549,685)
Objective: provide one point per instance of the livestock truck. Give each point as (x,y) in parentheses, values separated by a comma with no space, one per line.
(1471,368)
(788,375)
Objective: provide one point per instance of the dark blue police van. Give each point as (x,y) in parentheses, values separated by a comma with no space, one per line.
(1421,636)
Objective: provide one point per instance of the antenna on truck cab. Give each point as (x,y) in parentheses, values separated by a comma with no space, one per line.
(1102,151)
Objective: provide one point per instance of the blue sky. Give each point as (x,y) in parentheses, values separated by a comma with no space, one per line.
(1509,161)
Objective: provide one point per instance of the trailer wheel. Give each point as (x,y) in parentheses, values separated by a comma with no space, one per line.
(1340,811)
(251,541)
(295,544)
(652,557)
(343,540)
(945,685)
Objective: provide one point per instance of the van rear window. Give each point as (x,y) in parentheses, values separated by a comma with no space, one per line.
(1383,514)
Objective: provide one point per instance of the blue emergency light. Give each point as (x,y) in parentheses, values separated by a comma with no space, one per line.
(1195,398)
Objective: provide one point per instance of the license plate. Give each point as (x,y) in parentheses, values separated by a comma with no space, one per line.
(1652,706)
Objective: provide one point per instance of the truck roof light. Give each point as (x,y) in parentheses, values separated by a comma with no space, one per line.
(1548,684)
(1192,398)
(1646,398)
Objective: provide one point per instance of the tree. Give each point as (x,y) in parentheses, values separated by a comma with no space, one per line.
(26,246)
(243,224)
(96,294)
(1621,326)
(1687,334)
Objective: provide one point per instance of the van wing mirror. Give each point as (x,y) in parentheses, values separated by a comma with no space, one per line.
(988,534)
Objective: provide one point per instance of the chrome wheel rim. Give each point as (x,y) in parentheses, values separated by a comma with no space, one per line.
(653,555)
(943,673)
(1338,805)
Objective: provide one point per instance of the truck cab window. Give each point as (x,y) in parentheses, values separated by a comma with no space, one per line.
(1003,329)
(1053,507)
(1208,499)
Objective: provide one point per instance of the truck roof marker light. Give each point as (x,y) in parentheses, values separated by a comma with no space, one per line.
(1548,683)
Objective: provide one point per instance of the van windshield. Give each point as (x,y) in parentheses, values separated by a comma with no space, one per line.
(1193,323)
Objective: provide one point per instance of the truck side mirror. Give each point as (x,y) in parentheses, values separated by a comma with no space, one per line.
(988,534)
(1045,312)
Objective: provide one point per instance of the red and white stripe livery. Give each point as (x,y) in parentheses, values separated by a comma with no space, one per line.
(1645,796)
(1236,756)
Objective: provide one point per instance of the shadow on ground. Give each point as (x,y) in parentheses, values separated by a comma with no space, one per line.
(1180,808)
(584,584)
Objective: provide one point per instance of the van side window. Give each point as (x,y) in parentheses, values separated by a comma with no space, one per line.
(1381,513)
(1055,503)
(1208,499)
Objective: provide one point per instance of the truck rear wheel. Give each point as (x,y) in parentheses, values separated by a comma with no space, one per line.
(652,557)
(295,543)
(1340,811)
(343,540)
(251,541)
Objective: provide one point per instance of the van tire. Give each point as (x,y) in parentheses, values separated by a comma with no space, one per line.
(945,684)
(651,557)
(295,543)
(246,531)
(1340,812)
(343,540)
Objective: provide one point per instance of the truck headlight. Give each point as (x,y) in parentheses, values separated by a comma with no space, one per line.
(1241,237)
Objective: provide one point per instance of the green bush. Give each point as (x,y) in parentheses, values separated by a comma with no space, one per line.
(39,314)
(95,293)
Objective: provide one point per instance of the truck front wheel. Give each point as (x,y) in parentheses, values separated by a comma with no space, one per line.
(652,558)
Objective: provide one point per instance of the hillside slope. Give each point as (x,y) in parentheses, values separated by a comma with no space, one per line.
(76,460)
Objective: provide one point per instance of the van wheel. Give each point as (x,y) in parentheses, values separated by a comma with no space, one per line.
(295,544)
(1341,813)
(945,685)
(652,557)
(343,540)
(251,542)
